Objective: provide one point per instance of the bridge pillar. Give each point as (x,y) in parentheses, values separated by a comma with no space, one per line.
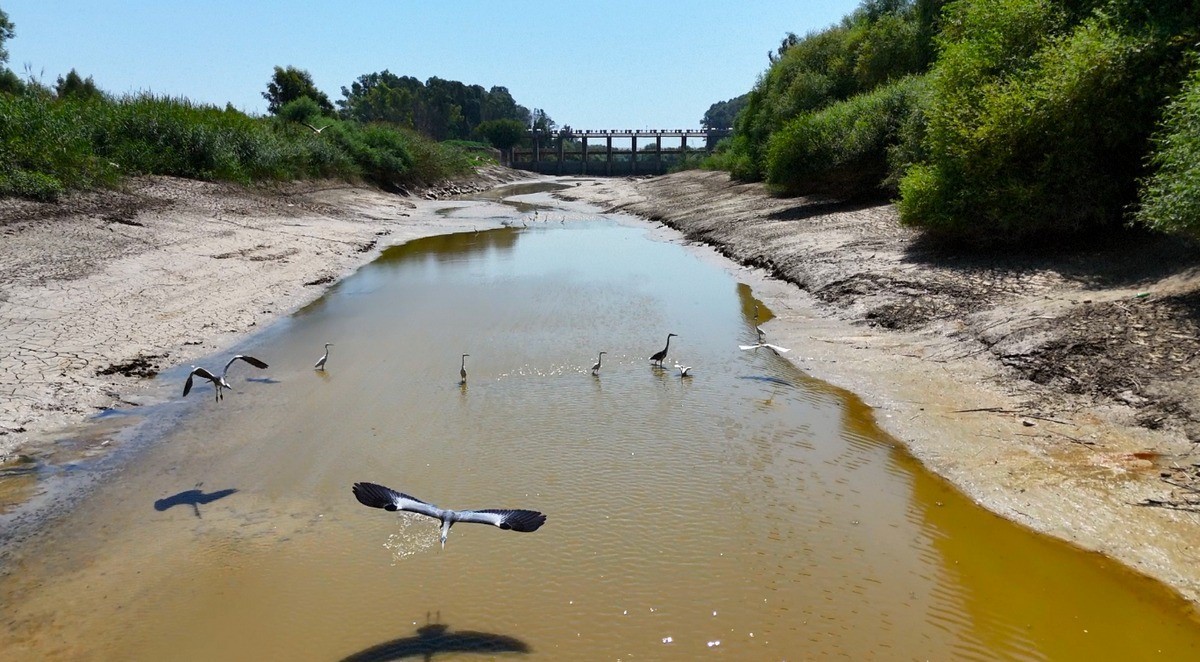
(658,169)
(584,157)
(559,169)
(633,154)
(608,157)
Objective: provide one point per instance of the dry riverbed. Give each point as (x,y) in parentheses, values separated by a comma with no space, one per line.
(1056,391)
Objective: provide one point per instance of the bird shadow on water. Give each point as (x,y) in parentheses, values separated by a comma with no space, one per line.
(768,379)
(262,380)
(434,639)
(194,498)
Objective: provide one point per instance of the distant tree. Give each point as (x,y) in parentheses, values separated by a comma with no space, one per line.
(75,86)
(721,114)
(784,44)
(541,122)
(503,134)
(6,33)
(290,84)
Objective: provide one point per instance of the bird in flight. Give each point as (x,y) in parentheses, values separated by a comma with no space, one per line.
(599,360)
(315,129)
(378,496)
(324,357)
(658,357)
(774,348)
(219,383)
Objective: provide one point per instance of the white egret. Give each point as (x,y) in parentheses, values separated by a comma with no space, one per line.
(599,360)
(324,357)
(658,357)
(684,370)
(378,496)
(315,129)
(219,383)
(462,370)
(761,334)
(774,348)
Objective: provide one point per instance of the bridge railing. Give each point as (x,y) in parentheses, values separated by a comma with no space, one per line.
(570,153)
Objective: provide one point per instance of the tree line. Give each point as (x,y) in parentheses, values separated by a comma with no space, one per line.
(988,121)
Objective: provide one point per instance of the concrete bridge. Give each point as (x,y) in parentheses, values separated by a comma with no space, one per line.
(637,152)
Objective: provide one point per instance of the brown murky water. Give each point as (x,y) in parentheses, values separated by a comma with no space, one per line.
(745,513)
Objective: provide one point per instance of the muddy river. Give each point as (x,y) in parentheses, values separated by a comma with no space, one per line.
(746,512)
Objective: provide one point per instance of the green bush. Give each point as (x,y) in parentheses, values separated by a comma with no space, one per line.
(842,149)
(1038,121)
(1171,196)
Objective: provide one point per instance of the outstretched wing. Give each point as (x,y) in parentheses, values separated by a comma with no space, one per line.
(248,359)
(749,346)
(378,496)
(202,373)
(776,348)
(515,520)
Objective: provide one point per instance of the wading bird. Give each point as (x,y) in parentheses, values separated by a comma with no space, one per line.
(462,370)
(761,334)
(219,383)
(324,357)
(774,348)
(378,496)
(658,357)
(599,360)
(684,370)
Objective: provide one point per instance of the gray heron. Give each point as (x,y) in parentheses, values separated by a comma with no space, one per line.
(462,370)
(658,357)
(324,357)
(762,335)
(378,496)
(219,383)
(599,360)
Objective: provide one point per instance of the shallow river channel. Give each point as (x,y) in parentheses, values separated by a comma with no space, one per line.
(747,512)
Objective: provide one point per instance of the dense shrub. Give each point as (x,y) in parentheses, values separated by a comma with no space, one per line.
(49,145)
(842,149)
(1039,118)
(1171,196)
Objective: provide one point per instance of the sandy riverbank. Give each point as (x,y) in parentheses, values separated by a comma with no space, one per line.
(1047,389)
(105,289)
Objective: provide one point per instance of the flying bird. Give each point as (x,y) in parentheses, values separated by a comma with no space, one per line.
(658,357)
(774,348)
(315,129)
(219,383)
(462,370)
(599,360)
(324,357)
(378,496)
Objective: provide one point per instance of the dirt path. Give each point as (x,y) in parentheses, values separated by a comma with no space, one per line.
(1058,391)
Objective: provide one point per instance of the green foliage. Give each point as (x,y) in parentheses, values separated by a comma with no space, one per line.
(879,43)
(440,109)
(503,134)
(74,85)
(49,145)
(302,110)
(843,148)
(1171,196)
(289,84)
(7,31)
(1040,116)
(722,114)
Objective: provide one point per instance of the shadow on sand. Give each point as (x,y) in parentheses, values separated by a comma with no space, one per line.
(194,498)
(434,639)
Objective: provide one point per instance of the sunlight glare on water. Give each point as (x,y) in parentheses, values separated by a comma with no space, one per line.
(747,511)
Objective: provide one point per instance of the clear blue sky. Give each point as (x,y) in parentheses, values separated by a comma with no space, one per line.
(592,65)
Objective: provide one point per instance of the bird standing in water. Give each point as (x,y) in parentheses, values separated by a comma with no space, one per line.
(658,357)
(599,360)
(324,357)
(462,370)
(378,496)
